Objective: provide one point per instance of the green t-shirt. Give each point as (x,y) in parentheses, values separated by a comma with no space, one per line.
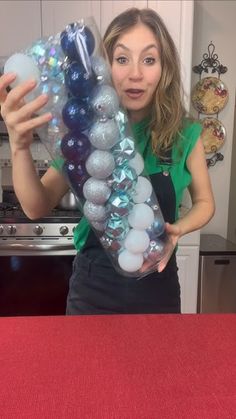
(177,169)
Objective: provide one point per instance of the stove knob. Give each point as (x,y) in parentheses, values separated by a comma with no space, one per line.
(11,230)
(1,229)
(64,230)
(38,230)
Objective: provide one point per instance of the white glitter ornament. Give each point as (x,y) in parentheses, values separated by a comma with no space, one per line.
(142,190)
(105,102)
(96,191)
(104,134)
(101,69)
(100,164)
(130,262)
(94,212)
(137,163)
(141,216)
(137,241)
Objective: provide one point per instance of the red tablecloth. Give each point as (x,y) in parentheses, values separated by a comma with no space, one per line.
(108,367)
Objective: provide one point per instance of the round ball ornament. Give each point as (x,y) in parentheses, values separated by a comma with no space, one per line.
(78,81)
(24,67)
(117,227)
(77,115)
(94,212)
(100,164)
(142,190)
(130,262)
(120,203)
(137,241)
(137,163)
(77,41)
(105,102)
(77,175)
(75,146)
(101,69)
(155,251)
(104,134)
(141,216)
(123,178)
(96,191)
(157,228)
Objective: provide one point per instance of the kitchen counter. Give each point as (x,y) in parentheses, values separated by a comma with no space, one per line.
(118,367)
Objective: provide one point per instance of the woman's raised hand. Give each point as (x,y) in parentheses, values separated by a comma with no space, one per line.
(20,117)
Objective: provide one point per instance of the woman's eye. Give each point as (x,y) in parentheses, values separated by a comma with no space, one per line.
(149,60)
(121,60)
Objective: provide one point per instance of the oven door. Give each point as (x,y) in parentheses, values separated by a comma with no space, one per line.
(34,278)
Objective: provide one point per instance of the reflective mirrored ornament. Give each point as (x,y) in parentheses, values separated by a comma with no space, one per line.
(130,262)
(142,190)
(100,164)
(157,228)
(77,115)
(77,41)
(137,241)
(141,216)
(124,150)
(105,102)
(123,178)
(120,203)
(117,227)
(94,212)
(96,191)
(104,134)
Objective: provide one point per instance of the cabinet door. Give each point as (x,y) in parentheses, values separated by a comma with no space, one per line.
(20,25)
(187,261)
(57,14)
(111,8)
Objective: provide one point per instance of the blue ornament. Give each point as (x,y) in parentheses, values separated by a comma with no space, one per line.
(156,229)
(119,203)
(79,82)
(77,42)
(123,178)
(75,146)
(77,115)
(77,176)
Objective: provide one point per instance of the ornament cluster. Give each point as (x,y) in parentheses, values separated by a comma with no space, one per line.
(90,132)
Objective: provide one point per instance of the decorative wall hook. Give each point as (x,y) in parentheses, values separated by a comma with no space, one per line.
(210,61)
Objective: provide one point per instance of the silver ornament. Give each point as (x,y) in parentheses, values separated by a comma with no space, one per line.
(104,134)
(101,69)
(94,212)
(96,191)
(100,164)
(105,102)
(99,226)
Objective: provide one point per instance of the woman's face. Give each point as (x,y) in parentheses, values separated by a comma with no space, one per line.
(136,70)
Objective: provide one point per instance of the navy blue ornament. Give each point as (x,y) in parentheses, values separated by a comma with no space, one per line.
(79,81)
(77,176)
(77,115)
(75,146)
(77,42)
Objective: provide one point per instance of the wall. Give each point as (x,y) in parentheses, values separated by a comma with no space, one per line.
(215,21)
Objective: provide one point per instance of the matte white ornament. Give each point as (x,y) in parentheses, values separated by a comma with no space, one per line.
(130,262)
(137,241)
(142,190)
(24,67)
(137,163)
(141,216)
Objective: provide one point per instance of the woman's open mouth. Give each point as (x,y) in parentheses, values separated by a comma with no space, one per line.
(134,93)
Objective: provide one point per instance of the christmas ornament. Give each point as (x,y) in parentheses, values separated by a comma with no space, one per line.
(123,178)
(120,203)
(142,190)
(130,262)
(124,150)
(103,135)
(77,115)
(78,81)
(137,163)
(117,227)
(104,102)
(141,216)
(96,191)
(101,69)
(77,42)
(75,146)
(100,164)
(94,212)
(137,241)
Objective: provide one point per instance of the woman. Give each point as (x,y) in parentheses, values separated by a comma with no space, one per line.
(146,75)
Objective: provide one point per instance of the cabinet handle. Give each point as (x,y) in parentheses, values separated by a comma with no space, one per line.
(222,262)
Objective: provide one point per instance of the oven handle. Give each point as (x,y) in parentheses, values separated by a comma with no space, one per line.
(36,247)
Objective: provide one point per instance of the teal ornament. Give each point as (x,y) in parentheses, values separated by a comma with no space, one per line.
(124,150)
(119,203)
(117,227)
(104,134)
(105,102)
(112,245)
(122,121)
(123,178)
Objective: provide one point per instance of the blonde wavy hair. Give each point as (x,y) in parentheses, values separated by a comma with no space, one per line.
(168,108)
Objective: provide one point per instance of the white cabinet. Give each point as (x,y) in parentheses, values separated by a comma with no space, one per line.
(20,24)
(187,261)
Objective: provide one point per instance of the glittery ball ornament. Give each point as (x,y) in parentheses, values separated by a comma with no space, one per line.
(100,164)
(104,134)
(77,115)
(75,146)
(105,101)
(142,190)
(120,203)
(117,227)
(141,216)
(77,42)
(99,225)
(96,191)
(101,69)
(137,163)
(124,150)
(77,175)
(78,80)
(130,262)
(123,178)
(137,241)
(94,212)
